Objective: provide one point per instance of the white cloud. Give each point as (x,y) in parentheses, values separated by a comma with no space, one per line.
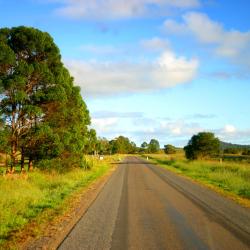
(104,124)
(231,44)
(230,133)
(229,129)
(97,78)
(174,27)
(119,9)
(180,128)
(155,44)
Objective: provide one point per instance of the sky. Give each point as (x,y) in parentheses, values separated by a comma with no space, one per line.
(164,69)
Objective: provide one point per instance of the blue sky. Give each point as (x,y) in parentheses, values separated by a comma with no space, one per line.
(163,69)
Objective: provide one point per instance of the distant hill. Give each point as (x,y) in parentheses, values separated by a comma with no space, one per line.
(225,145)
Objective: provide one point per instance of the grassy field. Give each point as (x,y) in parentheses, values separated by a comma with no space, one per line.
(26,197)
(230,178)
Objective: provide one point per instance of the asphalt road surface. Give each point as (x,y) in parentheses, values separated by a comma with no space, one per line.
(143,206)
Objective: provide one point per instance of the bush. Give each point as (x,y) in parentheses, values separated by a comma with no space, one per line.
(65,164)
(202,145)
(169,149)
(246,152)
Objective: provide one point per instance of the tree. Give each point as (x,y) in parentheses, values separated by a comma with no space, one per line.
(103,146)
(29,62)
(122,145)
(4,144)
(39,103)
(202,145)
(144,147)
(91,146)
(153,146)
(169,149)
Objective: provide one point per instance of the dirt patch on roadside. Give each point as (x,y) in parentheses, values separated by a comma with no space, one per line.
(52,233)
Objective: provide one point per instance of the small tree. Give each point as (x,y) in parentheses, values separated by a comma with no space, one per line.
(144,147)
(169,149)
(153,146)
(122,145)
(202,145)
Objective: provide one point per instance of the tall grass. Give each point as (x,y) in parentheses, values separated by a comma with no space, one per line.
(231,177)
(23,199)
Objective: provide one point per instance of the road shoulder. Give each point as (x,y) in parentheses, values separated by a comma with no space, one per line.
(55,231)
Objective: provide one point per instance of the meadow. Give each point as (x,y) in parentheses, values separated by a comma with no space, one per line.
(25,197)
(231,178)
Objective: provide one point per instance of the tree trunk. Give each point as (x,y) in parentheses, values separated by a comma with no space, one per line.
(13,140)
(22,159)
(13,157)
(30,166)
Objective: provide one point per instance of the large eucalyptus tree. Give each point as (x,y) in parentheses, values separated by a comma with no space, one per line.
(39,104)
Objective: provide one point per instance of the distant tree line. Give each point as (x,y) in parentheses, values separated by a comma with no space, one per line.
(152,147)
(237,151)
(44,120)
(103,146)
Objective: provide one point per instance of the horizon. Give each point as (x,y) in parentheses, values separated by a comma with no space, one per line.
(152,69)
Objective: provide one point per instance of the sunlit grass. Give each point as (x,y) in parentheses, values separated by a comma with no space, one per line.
(231,177)
(23,199)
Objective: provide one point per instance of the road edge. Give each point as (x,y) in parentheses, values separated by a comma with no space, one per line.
(55,234)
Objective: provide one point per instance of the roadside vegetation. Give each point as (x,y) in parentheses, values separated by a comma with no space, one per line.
(230,178)
(206,160)
(27,198)
(48,151)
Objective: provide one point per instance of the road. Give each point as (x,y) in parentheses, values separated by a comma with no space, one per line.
(143,206)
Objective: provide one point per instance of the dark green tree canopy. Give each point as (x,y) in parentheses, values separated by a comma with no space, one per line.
(39,104)
(202,145)
(153,146)
(169,149)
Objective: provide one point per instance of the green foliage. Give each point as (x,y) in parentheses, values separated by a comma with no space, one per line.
(91,143)
(103,146)
(231,151)
(4,140)
(153,146)
(122,145)
(202,145)
(225,145)
(23,199)
(246,152)
(231,177)
(144,147)
(39,106)
(169,149)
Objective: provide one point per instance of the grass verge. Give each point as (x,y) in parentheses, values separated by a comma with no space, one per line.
(230,179)
(40,196)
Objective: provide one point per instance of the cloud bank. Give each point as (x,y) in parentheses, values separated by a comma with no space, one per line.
(109,78)
(231,44)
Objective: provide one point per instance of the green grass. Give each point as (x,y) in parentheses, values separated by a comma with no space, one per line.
(233,178)
(22,200)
